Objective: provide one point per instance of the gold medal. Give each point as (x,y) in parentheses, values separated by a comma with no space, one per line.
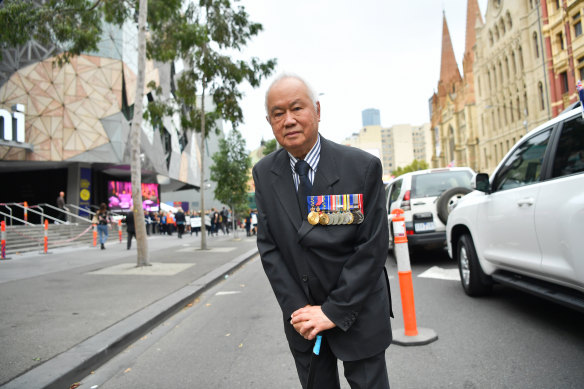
(313,218)
(350,218)
(323,219)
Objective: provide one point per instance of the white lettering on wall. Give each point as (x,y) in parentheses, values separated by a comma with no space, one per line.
(13,129)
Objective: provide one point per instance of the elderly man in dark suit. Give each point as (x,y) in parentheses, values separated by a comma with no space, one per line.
(323,240)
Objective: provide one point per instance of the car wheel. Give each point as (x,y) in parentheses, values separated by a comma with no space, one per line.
(447,200)
(474,281)
(390,246)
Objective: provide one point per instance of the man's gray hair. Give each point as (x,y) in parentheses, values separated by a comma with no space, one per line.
(313,96)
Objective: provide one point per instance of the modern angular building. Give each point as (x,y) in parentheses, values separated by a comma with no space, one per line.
(371,117)
(70,125)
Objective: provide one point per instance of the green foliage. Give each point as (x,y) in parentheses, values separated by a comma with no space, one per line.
(231,171)
(414,166)
(270,146)
(201,36)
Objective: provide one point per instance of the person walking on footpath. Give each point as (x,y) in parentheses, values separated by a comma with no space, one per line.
(103,220)
(130,227)
(61,205)
(323,237)
(180,222)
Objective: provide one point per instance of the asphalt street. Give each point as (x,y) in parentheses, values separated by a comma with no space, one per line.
(231,337)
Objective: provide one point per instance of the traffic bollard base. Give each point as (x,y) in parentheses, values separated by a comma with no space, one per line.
(425,336)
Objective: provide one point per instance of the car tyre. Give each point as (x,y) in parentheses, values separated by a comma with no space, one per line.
(474,281)
(448,199)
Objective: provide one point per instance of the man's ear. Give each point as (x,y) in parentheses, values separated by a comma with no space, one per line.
(268,120)
(318,110)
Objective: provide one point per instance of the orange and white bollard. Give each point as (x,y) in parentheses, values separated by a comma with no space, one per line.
(410,335)
(120,230)
(94,235)
(25,211)
(46,245)
(3,241)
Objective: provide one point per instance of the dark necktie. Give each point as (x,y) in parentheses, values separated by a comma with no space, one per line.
(302,169)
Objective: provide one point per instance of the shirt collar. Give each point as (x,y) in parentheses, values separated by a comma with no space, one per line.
(311,158)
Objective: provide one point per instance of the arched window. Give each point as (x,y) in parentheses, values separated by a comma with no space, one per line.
(541,101)
(502,26)
(496,33)
(513,62)
(525,102)
(491,37)
(494,76)
(509,22)
(507,67)
(505,114)
(535,45)
(520,50)
(501,73)
(511,110)
(518,110)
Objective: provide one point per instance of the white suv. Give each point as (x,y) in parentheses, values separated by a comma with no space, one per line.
(525,227)
(426,197)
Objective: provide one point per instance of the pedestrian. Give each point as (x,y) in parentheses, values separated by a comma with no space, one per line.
(326,266)
(248,224)
(180,222)
(61,205)
(163,224)
(196,223)
(130,227)
(103,221)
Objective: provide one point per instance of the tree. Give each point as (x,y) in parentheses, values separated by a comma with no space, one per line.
(203,36)
(269,146)
(414,166)
(231,172)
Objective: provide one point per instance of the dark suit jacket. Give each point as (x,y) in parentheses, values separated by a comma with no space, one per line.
(339,267)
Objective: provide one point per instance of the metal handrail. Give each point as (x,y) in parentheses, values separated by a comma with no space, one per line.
(42,213)
(65,212)
(17,219)
(89,211)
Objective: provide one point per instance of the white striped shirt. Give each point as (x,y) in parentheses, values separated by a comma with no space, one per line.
(311,158)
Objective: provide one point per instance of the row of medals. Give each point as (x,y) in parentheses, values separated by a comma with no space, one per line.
(354,216)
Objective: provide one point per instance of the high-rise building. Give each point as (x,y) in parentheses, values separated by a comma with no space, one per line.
(371,117)
(395,146)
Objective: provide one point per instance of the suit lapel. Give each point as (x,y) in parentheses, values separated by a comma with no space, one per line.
(326,176)
(283,184)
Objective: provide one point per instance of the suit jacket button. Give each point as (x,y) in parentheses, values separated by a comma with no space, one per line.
(304,278)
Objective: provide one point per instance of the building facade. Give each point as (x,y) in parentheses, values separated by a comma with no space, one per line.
(453,108)
(563,48)
(395,146)
(371,117)
(73,124)
(512,89)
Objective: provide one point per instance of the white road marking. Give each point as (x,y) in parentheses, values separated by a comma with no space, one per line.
(441,274)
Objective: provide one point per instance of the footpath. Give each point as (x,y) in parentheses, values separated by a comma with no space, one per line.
(65,313)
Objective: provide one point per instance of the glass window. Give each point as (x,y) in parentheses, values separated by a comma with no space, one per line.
(570,153)
(394,194)
(578,29)
(523,166)
(433,184)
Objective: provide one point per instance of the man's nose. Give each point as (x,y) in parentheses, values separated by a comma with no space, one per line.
(289,119)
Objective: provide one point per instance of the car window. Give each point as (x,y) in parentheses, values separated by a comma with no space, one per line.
(570,153)
(394,194)
(433,184)
(523,166)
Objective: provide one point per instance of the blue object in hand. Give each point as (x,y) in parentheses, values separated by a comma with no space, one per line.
(316,349)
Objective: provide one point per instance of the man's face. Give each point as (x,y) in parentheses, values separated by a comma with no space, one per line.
(293,117)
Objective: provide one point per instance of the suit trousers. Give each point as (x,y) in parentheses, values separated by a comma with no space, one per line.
(369,373)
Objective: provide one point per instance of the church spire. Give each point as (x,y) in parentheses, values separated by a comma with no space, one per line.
(473,15)
(448,67)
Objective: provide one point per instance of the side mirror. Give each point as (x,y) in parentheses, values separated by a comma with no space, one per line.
(481,183)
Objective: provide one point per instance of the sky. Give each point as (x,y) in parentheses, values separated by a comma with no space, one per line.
(382,54)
